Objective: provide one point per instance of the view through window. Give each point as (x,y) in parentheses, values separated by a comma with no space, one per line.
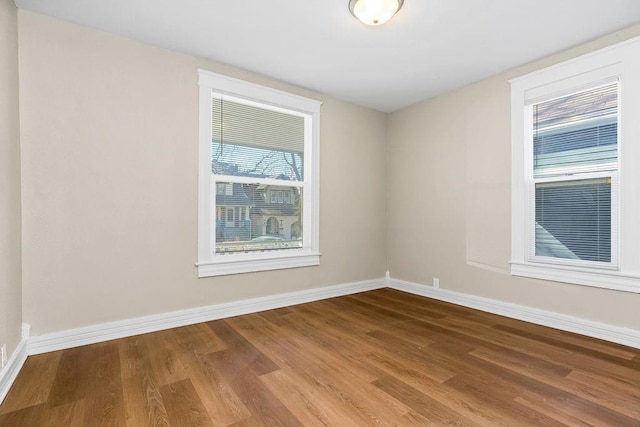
(257,162)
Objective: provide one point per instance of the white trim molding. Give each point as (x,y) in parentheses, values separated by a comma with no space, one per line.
(9,373)
(126,328)
(564,274)
(616,334)
(277,260)
(619,64)
(210,262)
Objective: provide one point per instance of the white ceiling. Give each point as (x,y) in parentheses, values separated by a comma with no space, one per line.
(429,47)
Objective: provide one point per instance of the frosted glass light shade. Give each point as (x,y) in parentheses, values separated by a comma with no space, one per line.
(374,12)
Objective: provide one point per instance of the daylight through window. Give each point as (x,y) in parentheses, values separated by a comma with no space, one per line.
(266,147)
(575,178)
(258,178)
(575,163)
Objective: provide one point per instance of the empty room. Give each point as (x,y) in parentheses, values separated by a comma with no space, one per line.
(319,213)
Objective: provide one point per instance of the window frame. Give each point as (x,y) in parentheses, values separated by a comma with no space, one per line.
(616,63)
(212,264)
(569,175)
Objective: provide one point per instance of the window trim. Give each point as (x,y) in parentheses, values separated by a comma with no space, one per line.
(619,62)
(211,264)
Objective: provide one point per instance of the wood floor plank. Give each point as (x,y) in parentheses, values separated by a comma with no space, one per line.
(500,401)
(308,381)
(184,353)
(521,362)
(329,401)
(71,379)
(608,384)
(411,310)
(541,350)
(438,307)
(197,338)
(561,411)
(580,349)
(28,416)
(378,358)
(221,402)
(366,309)
(344,322)
(329,375)
(329,314)
(432,410)
(69,415)
(276,316)
(506,340)
(141,393)
(248,353)
(555,376)
(165,357)
(600,410)
(598,345)
(420,359)
(33,383)
(331,345)
(258,399)
(103,400)
(184,406)
(478,414)
(301,400)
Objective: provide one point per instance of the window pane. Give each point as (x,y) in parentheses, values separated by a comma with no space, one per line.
(238,160)
(263,219)
(573,220)
(257,142)
(576,132)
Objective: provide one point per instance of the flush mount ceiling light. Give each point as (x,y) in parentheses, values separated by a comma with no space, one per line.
(374,12)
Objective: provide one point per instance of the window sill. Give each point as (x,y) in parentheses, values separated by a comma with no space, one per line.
(235,264)
(579,276)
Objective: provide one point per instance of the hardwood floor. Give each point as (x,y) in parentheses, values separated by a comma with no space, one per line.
(377,358)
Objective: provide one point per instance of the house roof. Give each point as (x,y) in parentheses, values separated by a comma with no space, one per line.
(578,107)
(238,198)
(234,200)
(276,210)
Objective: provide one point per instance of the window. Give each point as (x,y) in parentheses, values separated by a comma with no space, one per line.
(280,196)
(259,173)
(575,164)
(574,192)
(226,189)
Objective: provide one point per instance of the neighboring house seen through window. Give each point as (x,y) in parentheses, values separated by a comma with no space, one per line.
(575,168)
(259,155)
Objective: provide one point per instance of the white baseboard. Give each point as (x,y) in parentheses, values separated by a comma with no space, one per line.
(126,328)
(616,334)
(9,373)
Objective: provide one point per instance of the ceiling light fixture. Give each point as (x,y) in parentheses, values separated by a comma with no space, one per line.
(374,12)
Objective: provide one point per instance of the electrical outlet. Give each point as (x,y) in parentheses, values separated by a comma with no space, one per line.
(3,350)
(436,282)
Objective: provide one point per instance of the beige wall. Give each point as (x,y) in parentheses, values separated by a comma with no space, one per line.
(10,264)
(110,133)
(109,173)
(450,201)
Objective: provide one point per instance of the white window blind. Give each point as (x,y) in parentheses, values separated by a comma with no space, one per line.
(574,177)
(264,146)
(252,140)
(258,181)
(576,133)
